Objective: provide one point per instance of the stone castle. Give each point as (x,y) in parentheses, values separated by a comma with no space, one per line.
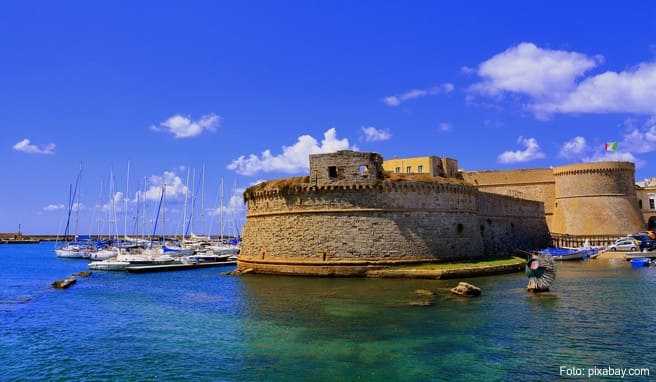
(350,215)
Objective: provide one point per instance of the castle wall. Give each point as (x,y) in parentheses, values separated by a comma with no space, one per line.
(530,184)
(507,223)
(341,229)
(596,199)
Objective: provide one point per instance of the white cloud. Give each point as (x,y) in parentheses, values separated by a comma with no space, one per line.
(26,146)
(531,70)
(466,70)
(184,127)
(629,91)
(444,126)
(235,205)
(641,140)
(293,159)
(531,152)
(175,188)
(54,207)
(574,148)
(372,134)
(396,100)
(554,81)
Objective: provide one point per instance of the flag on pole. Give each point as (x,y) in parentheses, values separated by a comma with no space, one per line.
(611,146)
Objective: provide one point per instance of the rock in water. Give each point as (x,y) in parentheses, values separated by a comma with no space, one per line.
(65,283)
(421,303)
(424,292)
(466,289)
(83,274)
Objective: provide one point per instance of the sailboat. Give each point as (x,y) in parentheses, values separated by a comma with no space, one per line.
(73,249)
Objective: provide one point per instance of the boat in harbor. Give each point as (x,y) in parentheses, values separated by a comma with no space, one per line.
(564,254)
(640,262)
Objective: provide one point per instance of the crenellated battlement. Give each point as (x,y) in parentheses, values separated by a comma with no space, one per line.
(382,186)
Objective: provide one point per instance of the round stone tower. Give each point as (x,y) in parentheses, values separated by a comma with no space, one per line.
(596,199)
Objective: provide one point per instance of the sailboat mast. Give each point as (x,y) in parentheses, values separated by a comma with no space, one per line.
(184,214)
(221,209)
(202,201)
(125,197)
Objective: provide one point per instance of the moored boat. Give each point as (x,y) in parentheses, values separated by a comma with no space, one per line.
(563,254)
(640,262)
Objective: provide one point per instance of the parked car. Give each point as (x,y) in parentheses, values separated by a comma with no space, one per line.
(646,243)
(626,244)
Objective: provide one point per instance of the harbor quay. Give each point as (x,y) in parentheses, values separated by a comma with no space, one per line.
(355,213)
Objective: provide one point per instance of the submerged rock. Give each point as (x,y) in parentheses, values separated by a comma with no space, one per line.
(424,292)
(83,274)
(421,303)
(65,283)
(466,289)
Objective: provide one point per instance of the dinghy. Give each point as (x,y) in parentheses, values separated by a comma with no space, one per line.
(563,254)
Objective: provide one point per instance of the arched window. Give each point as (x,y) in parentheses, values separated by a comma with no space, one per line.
(363,170)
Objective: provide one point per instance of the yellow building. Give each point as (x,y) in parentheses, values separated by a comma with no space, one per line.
(432,165)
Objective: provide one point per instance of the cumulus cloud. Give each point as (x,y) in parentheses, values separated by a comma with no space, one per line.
(372,134)
(444,126)
(396,100)
(574,148)
(184,127)
(293,159)
(175,188)
(54,207)
(27,147)
(234,206)
(556,81)
(629,91)
(640,139)
(531,70)
(531,152)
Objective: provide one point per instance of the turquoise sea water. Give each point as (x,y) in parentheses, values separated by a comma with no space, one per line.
(202,325)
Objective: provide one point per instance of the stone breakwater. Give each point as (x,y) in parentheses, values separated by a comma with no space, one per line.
(351,221)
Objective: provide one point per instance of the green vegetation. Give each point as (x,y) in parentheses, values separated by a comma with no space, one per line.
(464,265)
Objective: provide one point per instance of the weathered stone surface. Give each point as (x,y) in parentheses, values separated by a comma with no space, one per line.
(466,289)
(421,303)
(346,226)
(65,283)
(424,292)
(581,200)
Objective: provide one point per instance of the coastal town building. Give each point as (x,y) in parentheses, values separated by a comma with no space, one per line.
(432,165)
(646,194)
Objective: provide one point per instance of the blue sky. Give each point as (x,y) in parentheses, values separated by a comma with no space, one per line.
(167,84)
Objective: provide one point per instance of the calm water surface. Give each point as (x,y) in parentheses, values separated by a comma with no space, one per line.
(205,326)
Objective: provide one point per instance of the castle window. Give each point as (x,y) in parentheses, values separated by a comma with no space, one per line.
(363,170)
(397,170)
(460,228)
(420,169)
(332,171)
(651,204)
(408,169)
(640,203)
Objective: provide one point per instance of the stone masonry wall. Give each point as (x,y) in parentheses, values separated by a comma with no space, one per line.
(388,223)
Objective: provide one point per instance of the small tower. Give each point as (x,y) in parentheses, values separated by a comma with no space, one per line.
(345,167)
